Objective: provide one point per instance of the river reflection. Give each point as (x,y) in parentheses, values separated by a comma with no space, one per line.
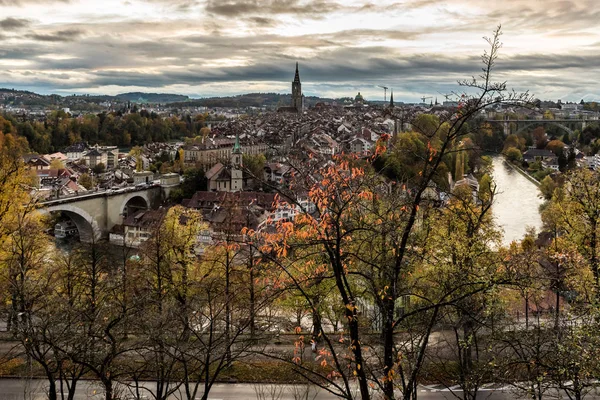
(517,204)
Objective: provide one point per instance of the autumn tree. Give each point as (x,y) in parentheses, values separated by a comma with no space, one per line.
(513,154)
(86,181)
(369,233)
(57,164)
(462,259)
(575,214)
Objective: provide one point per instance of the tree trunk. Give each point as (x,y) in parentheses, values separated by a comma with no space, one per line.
(252,301)
(51,387)
(594,257)
(316,319)
(357,351)
(108,389)
(227,310)
(387,332)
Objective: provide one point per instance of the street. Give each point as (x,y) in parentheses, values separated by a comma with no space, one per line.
(20,389)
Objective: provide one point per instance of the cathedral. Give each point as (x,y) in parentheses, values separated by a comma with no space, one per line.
(297,105)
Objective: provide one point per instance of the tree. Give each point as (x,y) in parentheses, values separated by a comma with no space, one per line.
(86,181)
(57,164)
(137,152)
(547,187)
(556,146)
(514,154)
(363,233)
(98,312)
(194,180)
(514,141)
(461,260)
(255,165)
(99,168)
(540,137)
(204,132)
(577,217)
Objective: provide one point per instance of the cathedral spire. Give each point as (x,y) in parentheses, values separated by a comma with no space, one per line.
(297,98)
(392,99)
(297,76)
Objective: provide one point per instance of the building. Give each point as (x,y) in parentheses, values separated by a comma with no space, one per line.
(297,103)
(533,154)
(217,150)
(360,146)
(139,226)
(143,177)
(297,96)
(227,213)
(37,163)
(107,155)
(359,99)
(76,151)
(228,178)
(56,156)
(94,157)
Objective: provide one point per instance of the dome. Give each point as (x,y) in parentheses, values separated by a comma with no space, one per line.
(358,97)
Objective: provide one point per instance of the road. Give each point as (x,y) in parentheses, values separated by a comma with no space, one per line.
(20,389)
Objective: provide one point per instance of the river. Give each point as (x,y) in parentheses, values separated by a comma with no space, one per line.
(516,206)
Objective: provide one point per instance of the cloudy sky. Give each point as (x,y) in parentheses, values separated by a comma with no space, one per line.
(223,47)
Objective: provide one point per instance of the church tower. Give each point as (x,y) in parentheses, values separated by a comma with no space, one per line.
(237,177)
(297,101)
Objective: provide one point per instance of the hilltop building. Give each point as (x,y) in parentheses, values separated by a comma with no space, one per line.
(359,99)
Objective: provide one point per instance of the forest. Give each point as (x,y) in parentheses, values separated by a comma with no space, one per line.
(59,130)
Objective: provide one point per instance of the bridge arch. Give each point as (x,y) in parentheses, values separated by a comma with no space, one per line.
(543,122)
(133,202)
(87,226)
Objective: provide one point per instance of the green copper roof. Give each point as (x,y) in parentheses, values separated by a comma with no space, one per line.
(236,147)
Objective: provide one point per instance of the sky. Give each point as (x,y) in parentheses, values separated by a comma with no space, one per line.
(205,48)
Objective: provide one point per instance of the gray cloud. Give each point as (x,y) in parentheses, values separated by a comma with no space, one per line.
(66,35)
(262,21)
(231,8)
(19,3)
(13,23)
(242,44)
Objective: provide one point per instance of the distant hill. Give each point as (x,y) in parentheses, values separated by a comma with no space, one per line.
(271,100)
(92,103)
(139,97)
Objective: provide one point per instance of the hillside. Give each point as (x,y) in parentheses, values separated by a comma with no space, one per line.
(270,100)
(139,97)
(18,98)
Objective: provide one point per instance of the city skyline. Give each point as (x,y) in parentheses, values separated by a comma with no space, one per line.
(219,48)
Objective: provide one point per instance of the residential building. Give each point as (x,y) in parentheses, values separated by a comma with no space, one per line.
(215,150)
(76,151)
(139,226)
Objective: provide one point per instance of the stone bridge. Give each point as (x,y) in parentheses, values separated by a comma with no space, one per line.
(96,213)
(522,124)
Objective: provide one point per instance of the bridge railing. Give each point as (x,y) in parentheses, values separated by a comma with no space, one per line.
(97,193)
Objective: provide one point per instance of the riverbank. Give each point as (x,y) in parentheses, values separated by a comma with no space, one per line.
(523,172)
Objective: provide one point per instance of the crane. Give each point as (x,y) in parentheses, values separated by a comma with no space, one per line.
(385,88)
(446,96)
(425,98)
